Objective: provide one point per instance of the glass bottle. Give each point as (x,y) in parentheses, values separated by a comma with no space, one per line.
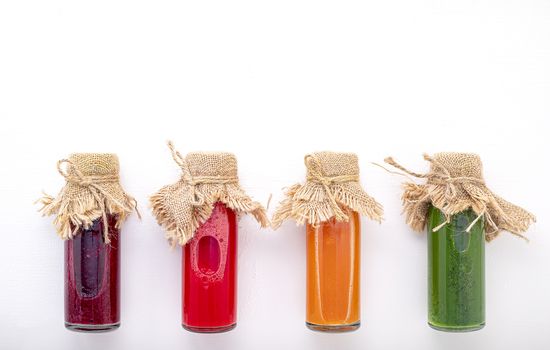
(209,266)
(333,275)
(456,272)
(92,279)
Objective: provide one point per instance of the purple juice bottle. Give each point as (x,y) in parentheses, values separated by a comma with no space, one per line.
(92,279)
(89,211)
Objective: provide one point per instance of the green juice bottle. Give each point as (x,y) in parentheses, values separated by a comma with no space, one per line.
(456,272)
(444,205)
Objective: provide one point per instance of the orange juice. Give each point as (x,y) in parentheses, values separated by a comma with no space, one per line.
(333,270)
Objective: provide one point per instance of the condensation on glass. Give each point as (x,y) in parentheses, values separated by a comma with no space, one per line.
(209,274)
(456,272)
(92,279)
(333,274)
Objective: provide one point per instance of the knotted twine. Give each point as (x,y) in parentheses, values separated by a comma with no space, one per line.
(332,186)
(92,191)
(206,178)
(455,183)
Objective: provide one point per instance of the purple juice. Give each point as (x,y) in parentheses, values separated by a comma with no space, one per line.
(92,279)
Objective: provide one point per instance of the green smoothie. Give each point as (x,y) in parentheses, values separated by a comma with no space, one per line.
(456,272)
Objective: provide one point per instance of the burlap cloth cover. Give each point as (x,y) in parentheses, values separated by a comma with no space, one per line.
(92,191)
(332,184)
(206,178)
(455,183)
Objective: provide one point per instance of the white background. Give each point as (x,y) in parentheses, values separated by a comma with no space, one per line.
(272,81)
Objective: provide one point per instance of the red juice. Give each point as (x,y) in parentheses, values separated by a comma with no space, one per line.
(92,283)
(209,292)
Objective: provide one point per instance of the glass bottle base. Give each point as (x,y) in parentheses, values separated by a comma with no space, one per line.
(457,329)
(334,328)
(209,329)
(91,328)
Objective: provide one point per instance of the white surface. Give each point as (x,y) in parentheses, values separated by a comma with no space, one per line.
(271,81)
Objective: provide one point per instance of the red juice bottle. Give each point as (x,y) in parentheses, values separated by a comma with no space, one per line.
(92,279)
(209,266)
(200,213)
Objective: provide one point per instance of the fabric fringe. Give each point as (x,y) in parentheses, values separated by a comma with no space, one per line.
(455,184)
(92,191)
(74,214)
(181,208)
(329,190)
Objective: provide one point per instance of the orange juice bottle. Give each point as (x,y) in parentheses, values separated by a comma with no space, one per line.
(330,203)
(333,270)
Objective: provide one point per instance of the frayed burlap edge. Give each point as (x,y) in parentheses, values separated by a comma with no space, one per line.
(73,214)
(85,199)
(323,197)
(231,195)
(200,193)
(499,214)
